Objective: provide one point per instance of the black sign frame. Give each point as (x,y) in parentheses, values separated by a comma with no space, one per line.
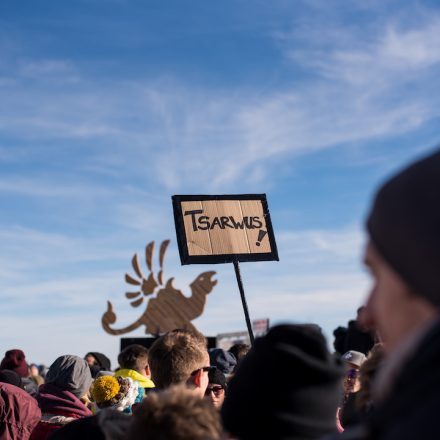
(185,258)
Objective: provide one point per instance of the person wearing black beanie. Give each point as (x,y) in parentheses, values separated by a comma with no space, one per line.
(287,387)
(403,254)
(216,389)
(404,226)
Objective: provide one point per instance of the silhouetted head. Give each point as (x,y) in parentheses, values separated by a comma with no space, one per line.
(180,357)
(403,253)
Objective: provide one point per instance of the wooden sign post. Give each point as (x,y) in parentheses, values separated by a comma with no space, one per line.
(224,229)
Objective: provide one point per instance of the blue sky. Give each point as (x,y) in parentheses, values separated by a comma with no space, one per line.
(107,108)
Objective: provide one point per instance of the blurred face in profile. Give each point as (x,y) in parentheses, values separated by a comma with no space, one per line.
(90,359)
(216,394)
(351,382)
(392,308)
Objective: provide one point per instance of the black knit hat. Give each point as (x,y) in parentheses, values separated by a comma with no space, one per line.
(223,360)
(287,386)
(217,377)
(11,377)
(404,226)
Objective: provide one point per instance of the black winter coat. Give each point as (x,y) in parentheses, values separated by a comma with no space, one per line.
(412,410)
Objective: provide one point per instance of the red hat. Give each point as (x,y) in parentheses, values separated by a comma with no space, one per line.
(15,360)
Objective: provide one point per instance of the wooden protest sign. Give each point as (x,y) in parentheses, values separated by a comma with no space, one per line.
(224,228)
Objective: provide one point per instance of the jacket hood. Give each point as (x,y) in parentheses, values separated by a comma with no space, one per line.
(19,413)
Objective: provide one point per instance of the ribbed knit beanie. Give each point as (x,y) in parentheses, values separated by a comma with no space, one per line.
(288,386)
(223,360)
(404,225)
(217,377)
(15,360)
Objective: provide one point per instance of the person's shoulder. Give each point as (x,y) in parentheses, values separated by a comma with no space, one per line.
(29,386)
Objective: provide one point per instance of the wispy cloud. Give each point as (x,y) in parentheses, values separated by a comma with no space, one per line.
(179,135)
(318,279)
(53,70)
(397,54)
(40,187)
(90,161)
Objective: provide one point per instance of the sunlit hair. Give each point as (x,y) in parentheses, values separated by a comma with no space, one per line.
(175,414)
(134,357)
(239,351)
(367,373)
(175,355)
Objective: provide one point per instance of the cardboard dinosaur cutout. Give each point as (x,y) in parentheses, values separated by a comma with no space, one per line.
(169,309)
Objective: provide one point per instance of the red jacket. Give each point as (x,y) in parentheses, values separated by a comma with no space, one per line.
(19,413)
(59,407)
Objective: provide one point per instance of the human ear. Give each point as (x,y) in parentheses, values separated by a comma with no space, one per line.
(197,378)
(147,371)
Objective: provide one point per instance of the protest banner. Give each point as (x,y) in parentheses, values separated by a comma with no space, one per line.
(224,229)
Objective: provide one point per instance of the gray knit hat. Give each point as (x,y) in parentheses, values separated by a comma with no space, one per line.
(70,373)
(404,226)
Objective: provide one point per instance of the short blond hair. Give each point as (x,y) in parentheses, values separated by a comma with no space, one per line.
(175,414)
(175,355)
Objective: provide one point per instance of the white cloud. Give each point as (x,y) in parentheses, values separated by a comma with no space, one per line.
(39,187)
(62,71)
(392,54)
(317,279)
(169,136)
(416,48)
(182,136)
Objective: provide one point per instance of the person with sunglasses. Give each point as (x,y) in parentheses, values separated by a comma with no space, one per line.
(348,413)
(180,357)
(215,392)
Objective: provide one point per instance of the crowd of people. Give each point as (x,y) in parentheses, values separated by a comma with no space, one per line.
(380,383)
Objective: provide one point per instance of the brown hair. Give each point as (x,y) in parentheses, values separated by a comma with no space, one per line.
(175,414)
(134,357)
(367,374)
(175,355)
(239,351)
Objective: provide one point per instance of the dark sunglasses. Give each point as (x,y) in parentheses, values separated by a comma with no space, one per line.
(352,373)
(208,369)
(216,389)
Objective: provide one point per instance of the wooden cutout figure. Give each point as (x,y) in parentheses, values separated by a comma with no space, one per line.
(170,309)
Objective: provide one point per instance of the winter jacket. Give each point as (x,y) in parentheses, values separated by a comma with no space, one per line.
(106,425)
(144,382)
(19,413)
(58,408)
